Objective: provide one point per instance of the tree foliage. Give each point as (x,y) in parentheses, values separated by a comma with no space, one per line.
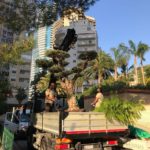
(11,53)
(5,86)
(124,111)
(97,66)
(21,15)
(58,58)
(55,65)
(43,83)
(120,57)
(21,95)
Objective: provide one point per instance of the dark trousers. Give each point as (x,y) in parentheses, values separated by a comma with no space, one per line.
(50,107)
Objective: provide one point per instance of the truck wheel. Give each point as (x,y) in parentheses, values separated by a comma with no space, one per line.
(43,145)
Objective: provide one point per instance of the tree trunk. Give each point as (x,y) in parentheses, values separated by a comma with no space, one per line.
(72,104)
(142,71)
(135,70)
(100,78)
(126,75)
(115,73)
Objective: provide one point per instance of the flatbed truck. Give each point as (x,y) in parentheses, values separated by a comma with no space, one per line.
(74,131)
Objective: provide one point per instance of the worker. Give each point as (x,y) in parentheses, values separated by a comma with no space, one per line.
(50,97)
(98,99)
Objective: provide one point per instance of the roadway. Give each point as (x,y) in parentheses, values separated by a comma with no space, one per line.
(20,145)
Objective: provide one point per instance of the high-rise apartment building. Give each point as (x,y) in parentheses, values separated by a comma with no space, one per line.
(43,40)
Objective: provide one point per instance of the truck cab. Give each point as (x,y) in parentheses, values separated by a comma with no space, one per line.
(17,122)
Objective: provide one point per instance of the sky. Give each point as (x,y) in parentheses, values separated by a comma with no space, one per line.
(118,21)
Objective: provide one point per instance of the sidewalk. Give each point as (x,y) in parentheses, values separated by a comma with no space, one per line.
(144,122)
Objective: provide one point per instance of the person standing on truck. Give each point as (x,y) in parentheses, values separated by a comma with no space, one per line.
(98,99)
(50,97)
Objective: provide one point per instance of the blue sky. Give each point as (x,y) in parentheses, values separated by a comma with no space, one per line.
(119,21)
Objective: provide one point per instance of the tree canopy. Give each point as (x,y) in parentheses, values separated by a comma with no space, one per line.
(11,53)
(21,95)
(21,15)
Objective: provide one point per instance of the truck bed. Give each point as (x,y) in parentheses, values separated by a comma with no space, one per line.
(76,123)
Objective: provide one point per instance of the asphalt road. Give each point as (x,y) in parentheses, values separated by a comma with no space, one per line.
(20,145)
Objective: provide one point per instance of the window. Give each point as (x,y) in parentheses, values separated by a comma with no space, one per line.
(23,79)
(88,28)
(13,71)
(13,79)
(90,42)
(85,49)
(24,71)
(4,32)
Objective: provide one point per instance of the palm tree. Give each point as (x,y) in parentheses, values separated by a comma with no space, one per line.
(124,59)
(125,69)
(133,49)
(119,55)
(116,59)
(100,67)
(142,49)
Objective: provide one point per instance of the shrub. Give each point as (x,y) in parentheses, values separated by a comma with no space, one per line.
(123,111)
(148,83)
(90,91)
(106,87)
(139,86)
(113,87)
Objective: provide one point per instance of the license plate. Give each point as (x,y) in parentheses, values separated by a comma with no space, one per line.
(88,147)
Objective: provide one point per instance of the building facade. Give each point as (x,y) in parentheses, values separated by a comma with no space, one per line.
(19,77)
(6,35)
(43,41)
